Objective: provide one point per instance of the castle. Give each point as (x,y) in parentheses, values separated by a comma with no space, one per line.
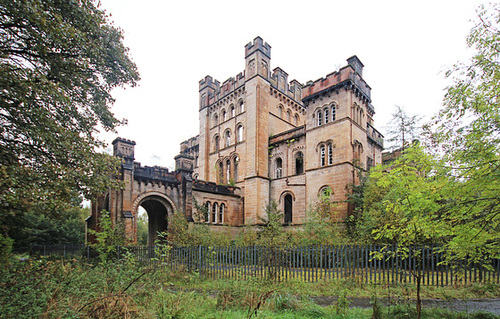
(261,138)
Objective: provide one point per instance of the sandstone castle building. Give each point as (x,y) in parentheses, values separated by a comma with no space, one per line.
(262,138)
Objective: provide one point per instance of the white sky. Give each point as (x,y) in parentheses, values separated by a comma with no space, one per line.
(405,46)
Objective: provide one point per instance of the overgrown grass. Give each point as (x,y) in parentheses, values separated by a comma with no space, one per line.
(72,289)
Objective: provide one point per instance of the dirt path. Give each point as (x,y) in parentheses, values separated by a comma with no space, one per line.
(473,305)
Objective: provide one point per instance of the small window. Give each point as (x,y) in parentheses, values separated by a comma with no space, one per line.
(216,120)
(299,163)
(232,111)
(223,115)
(221,213)
(280,111)
(323,155)
(216,143)
(279,168)
(227,138)
(242,107)
(214,213)
(236,162)
(296,120)
(327,116)
(228,171)
(330,154)
(239,133)
(320,118)
(289,116)
(221,173)
(334,113)
(206,215)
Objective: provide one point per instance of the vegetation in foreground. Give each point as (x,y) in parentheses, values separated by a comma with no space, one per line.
(71,289)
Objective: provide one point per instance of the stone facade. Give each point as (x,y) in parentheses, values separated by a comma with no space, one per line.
(261,138)
(284,141)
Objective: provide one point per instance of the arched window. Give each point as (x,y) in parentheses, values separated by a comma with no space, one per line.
(223,115)
(242,107)
(239,133)
(280,111)
(322,155)
(334,112)
(228,171)
(232,110)
(330,154)
(221,173)
(216,143)
(227,138)
(320,117)
(236,163)
(297,120)
(327,116)
(214,213)
(279,168)
(289,116)
(206,215)
(216,120)
(221,213)
(288,209)
(299,163)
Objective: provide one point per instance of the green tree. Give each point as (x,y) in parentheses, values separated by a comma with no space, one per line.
(402,129)
(403,207)
(59,61)
(466,133)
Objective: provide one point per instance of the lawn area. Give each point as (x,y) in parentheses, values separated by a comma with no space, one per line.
(46,288)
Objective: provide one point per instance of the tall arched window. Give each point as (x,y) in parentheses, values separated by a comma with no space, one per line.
(289,116)
(330,154)
(242,107)
(334,112)
(221,173)
(232,110)
(227,138)
(239,133)
(322,155)
(280,111)
(320,117)
(279,168)
(216,120)
(223,115)
(299,163)
(296,120)
(206,215)
(288,209)
(228,171)
(236,163)
(221,213)
(215,208)
(327,116)
(216,143)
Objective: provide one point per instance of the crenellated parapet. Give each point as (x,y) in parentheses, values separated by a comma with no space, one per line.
(349,77)
(279,81)
(211,91)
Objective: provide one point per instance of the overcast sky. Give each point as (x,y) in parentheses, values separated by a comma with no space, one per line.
(405,46)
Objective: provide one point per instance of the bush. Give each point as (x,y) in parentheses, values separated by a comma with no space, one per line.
(5,249)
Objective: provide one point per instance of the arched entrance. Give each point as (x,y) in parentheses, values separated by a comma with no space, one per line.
(158,209)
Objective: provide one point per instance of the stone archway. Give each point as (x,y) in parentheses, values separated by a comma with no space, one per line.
(158,207)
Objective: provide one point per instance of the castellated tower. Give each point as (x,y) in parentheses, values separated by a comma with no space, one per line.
(266,138)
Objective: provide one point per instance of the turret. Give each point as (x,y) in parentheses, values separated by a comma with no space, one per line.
(257,59)
(208,88)
(356,64)
(124,149)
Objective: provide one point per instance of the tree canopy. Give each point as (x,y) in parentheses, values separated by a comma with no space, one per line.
(59,61)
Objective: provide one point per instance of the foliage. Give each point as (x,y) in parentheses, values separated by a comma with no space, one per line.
(5,248)
(39,228)
(107,238)
(272,233)
(402,129)
(142,229)
(320,228)
(59,61)
(466,133)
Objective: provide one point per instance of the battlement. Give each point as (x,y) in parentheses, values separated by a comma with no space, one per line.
(279,80)
(154,173)
(258,45)
(347,74)
(208,81)
(213,188)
